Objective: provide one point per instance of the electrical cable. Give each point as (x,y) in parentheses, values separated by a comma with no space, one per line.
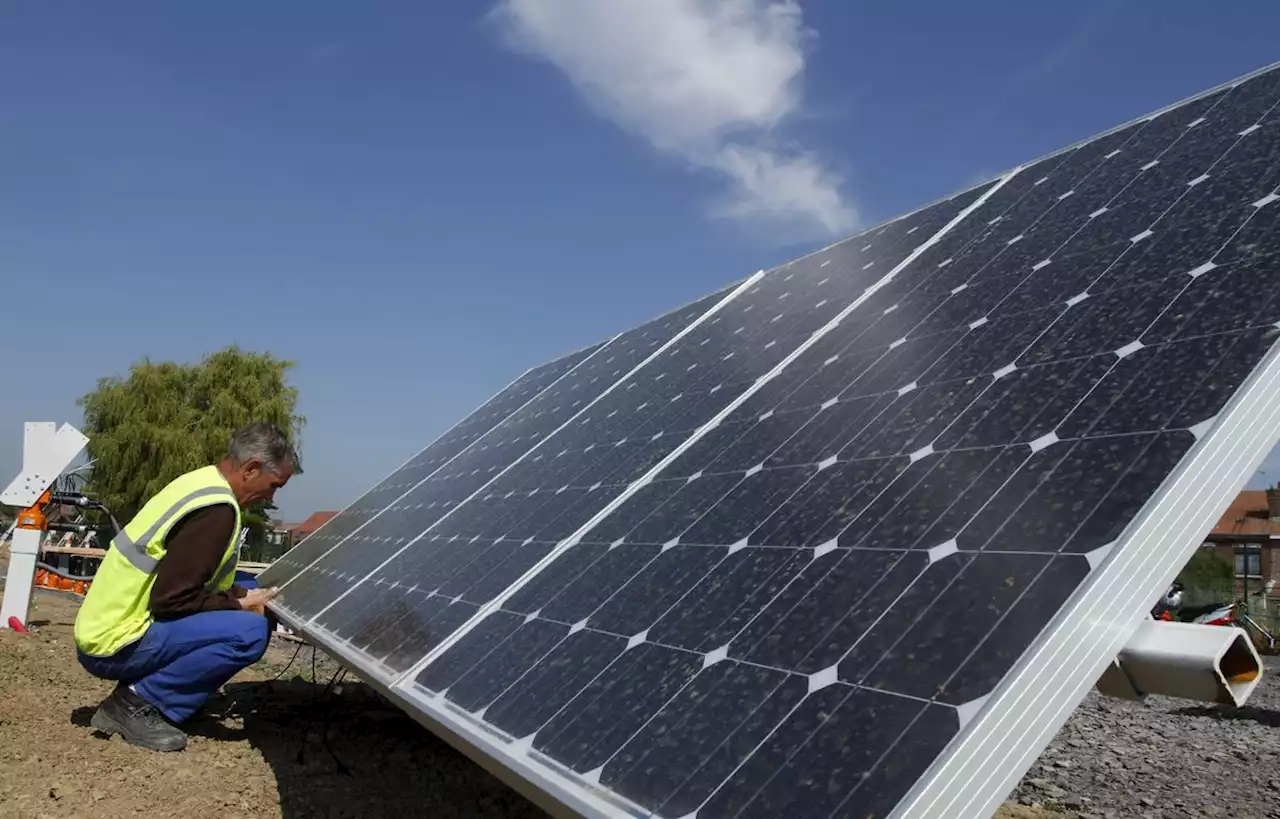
(261,685)
(328,720)
(326,697)
(40,564)
(287,665)
(83,502)
(323,697)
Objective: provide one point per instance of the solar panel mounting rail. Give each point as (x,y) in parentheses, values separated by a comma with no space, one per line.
(855,541)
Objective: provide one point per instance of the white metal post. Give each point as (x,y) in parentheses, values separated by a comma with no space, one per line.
(23,550)
(47,450)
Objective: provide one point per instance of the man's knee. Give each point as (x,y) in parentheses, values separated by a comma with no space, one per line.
(253,636)
(96,666)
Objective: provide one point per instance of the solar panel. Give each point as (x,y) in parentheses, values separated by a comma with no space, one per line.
(424,463)
(424,565)
(447,471)
(930,480)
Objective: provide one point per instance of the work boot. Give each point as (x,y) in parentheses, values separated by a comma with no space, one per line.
(138,721)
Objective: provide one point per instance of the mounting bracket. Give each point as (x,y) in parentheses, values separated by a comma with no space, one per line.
(47,450)
(1192,661)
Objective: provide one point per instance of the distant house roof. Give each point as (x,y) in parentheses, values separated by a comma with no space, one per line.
(1249,514)
(312,523)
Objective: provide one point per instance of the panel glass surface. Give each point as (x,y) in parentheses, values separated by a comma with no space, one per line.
(436,454)
(796,616)
(396,517)
(464,560)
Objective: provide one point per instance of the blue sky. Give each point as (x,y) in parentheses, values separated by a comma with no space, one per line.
(417,201)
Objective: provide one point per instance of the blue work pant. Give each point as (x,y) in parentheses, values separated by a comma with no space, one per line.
(177,664)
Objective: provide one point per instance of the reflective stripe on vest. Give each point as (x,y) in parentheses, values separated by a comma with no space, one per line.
(117,609)
(136,552)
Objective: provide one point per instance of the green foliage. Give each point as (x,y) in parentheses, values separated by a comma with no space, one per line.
(166,419)
(1207,571)
(258,517)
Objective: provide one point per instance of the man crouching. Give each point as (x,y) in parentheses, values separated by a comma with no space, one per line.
(163,616)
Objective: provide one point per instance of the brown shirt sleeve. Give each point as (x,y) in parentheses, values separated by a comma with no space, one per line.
(193,550)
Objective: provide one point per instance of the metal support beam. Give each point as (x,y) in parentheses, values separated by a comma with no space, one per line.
(1216,664)
(23,550)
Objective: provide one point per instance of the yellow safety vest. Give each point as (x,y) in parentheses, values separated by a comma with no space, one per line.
(117,609)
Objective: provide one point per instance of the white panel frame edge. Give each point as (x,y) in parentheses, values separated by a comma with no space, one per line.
(983,763)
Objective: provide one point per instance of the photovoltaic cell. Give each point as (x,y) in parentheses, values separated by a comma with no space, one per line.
(434,483)
(435,455)
(451,566)
(787,566)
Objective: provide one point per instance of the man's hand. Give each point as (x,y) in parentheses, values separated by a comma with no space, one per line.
(256,600)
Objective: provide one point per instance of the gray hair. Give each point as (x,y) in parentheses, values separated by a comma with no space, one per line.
(266,444)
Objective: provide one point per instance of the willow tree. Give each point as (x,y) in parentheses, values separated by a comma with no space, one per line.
(165,419)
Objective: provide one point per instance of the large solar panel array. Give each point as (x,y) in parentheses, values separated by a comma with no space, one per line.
(855,543)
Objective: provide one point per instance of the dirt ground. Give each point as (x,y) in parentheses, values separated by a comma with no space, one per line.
(259,753)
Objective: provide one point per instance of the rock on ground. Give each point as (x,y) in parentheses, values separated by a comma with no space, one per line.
(1165,758)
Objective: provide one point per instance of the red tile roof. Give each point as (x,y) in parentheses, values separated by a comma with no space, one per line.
(311,524)
(1248,514)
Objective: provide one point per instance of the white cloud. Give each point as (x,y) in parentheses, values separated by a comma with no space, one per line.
(709,81)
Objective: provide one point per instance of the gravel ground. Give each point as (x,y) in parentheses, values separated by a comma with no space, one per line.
(290,751)
(1165,758)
